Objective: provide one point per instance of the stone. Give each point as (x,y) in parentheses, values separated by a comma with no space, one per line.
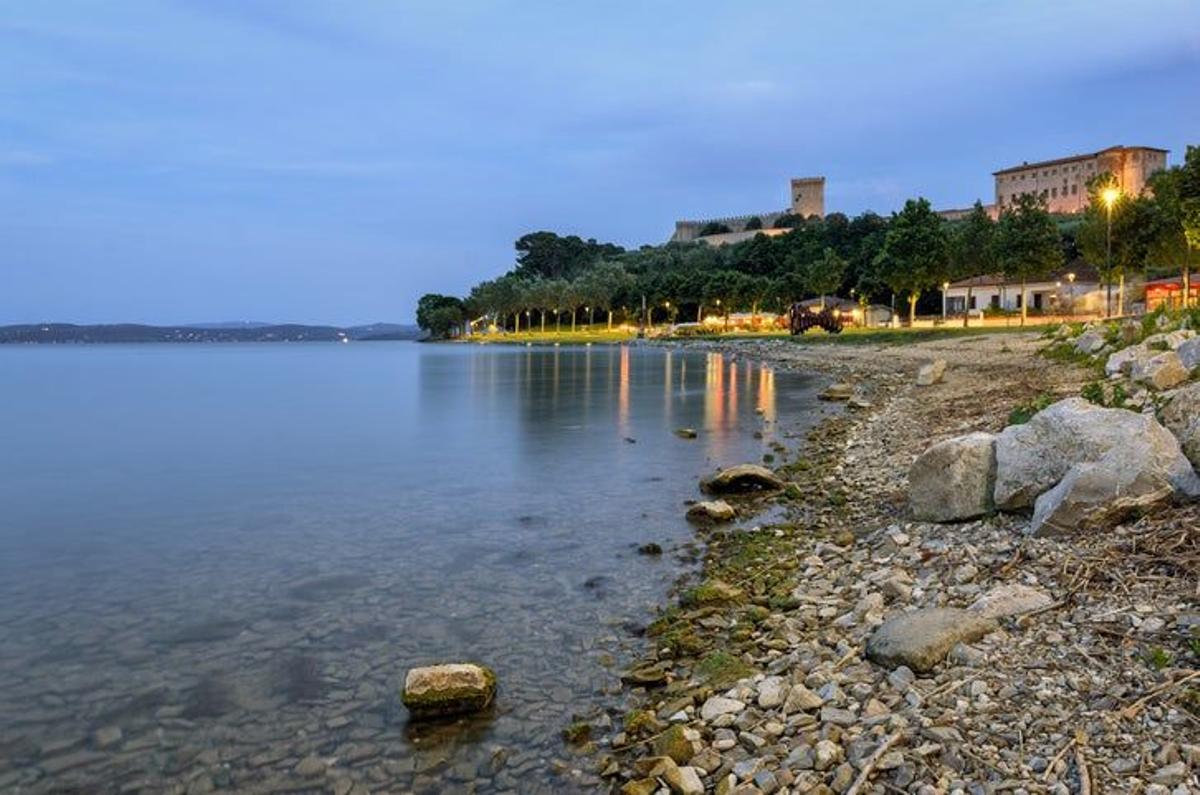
(1172,774)
(1181,416)
(1010,599)
(675,744)
(1121,362)
(720,705)
(1161,372)
(931,373)
(684,781)
(742,479)
(1189,353)
(954,479)
(107,737)
(801,699)
(826,755)
(839,391)
(711,512)
(310,767)
(686,433)
(1090,342)
(921,639)
(1032,458)
(642,786)
(451,689)
(771,692)
(650,548)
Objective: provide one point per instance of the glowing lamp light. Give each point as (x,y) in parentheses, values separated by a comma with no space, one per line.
(1110,195)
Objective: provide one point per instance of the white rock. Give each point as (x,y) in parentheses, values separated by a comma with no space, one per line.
(1032,458)
(711,511)
(1123,361)
(1010,599)
(1189,353)
(719,705)
(771,692)
(1090,342)
(931,373)
(954,479)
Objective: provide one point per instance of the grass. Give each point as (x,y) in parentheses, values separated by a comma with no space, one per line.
(721,669)
(1024,412)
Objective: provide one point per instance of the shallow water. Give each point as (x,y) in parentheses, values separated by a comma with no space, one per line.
(232,553)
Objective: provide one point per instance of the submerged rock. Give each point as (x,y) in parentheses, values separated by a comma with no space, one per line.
(931,373)
(686,433)
(451,689)
(922,639)
(711,512)
(954,479)
(742,479)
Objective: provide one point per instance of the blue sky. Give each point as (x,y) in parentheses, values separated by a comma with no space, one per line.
(331,161)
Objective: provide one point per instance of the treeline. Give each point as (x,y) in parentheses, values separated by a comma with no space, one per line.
(562,280)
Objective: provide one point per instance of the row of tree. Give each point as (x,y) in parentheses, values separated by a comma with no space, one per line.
(870,257)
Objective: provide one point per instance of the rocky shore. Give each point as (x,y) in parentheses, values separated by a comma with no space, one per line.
(834,644)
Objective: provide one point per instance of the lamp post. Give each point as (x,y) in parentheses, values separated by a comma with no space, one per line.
(1110,196)
(1071,281)
(945,287)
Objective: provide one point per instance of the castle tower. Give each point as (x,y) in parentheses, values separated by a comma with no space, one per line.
(808,196)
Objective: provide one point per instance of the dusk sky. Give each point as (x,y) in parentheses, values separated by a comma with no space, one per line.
(204,160)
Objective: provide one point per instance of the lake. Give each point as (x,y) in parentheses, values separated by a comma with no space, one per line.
(218,561)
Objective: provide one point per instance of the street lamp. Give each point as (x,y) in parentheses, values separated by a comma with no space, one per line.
(945,287)
(1071,281)
(1110,196)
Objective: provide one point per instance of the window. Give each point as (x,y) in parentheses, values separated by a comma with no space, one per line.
(973,301)
(1074,189)
(1054,192)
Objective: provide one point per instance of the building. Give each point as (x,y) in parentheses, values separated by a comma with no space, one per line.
(807,199)
(1063,182)
(1064,292)
(1169,293)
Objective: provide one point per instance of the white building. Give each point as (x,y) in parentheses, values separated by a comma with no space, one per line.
(1065,292)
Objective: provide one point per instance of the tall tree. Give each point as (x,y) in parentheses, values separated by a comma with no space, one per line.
(825,274)
(1027,243)
(972,250)
(915,253)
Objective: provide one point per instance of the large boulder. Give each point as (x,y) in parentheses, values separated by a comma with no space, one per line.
(931,373)
(1032,458)
(451,689)
(1170,341)
(1124,360)
(954,479)
(1163,371)
(1181,415)
(1189,353)
(922,639)
(1099,493)
(1090,342)
(742,479)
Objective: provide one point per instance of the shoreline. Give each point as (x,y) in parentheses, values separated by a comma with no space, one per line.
(765,686)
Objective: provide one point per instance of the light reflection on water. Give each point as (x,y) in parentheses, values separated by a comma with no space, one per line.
(233,553)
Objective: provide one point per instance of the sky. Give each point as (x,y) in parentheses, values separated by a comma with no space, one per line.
(171,161)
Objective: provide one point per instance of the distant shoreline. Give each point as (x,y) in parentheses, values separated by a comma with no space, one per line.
(116,333)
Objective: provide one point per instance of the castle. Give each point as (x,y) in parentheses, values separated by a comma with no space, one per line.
(808,199)
(1062,183)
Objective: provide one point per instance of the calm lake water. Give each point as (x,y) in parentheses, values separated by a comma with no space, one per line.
(216,561)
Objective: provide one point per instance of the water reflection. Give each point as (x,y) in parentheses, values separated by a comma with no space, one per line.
(255,580)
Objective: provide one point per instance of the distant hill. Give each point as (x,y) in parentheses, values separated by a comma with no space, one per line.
(58,333)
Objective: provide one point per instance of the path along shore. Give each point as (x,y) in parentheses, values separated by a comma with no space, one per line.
(756,679)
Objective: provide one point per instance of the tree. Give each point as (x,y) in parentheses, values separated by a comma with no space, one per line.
(1099,233)
(1027,242)
(915,252)
(714,228)
(754,223)
(972,250)
(724,289)
(825,274)
(440,315)
(547,255)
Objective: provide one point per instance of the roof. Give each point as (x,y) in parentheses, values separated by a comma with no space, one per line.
(1084,274)
(1071,159)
